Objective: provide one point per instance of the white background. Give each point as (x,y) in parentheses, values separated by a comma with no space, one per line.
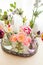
(37,59)
(27,6)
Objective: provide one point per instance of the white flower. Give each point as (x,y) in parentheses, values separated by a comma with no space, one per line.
(17,22)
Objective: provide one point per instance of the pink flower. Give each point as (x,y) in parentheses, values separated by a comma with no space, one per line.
(21,37)
(27,41)
(25,29)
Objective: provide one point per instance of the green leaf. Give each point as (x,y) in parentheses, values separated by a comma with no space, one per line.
(20,11)
(31,23)
(11,5)
(1,17)
(40,12)
(5,12)
(11,10)
(5,17)
(7,22)
(35,13)
(14,5)
(24,19)
(0,10)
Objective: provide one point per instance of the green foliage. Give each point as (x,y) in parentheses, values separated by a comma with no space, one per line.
(1,17)
(11,10)
(24,19)
(5,12)
(0,10)
(36,13)
(31,23)
(13,5)
(7,22)
(0,14)
(19,47)
(4,17)
(20,11)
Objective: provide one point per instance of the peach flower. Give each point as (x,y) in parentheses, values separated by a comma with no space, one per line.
(1,27)
(13,38)
(21,37)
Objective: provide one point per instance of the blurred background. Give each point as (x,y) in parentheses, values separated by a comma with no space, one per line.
(27,6)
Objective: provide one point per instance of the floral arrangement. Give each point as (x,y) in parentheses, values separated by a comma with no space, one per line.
(24,38)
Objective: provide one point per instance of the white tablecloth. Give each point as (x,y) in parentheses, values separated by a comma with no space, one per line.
(37,59)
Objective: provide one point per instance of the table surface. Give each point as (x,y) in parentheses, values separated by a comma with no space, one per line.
(37,59)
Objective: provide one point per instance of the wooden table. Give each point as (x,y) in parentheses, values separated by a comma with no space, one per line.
(37,59)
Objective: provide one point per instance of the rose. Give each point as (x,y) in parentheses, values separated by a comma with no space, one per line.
(22,38)
(25,29)
(13,38)
(27,41)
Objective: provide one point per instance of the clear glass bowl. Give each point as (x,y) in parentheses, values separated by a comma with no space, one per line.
(27,51)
